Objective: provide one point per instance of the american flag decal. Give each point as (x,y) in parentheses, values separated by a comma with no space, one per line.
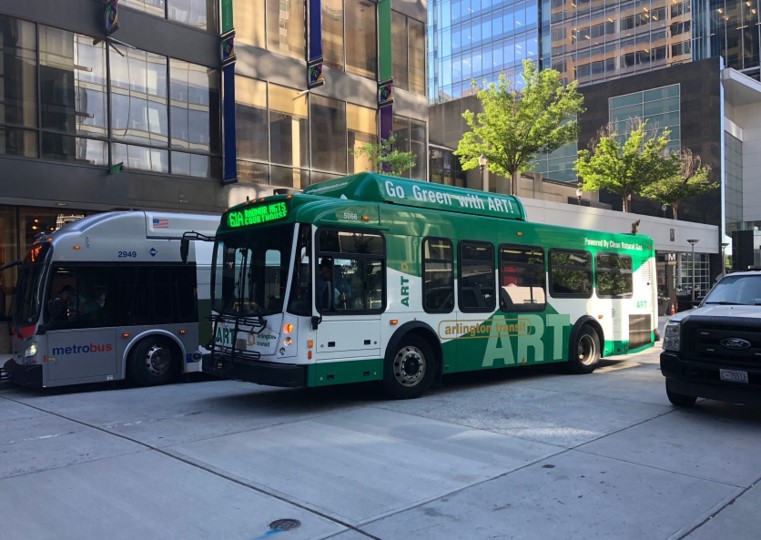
(160,223)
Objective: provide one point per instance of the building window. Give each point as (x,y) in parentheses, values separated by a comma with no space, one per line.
(399,50)
(411,137)
(18,85)
(251,119)
(285,27)
(139,97)
(288,127)
(660,107)
(328,134)
(333,33)
(194,104)
(361,38)
(249,22)
(362,126)
(195,13)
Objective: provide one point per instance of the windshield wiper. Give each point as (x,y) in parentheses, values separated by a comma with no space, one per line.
(726,303)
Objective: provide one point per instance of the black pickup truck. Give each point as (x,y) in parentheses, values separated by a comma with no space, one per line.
(714,350)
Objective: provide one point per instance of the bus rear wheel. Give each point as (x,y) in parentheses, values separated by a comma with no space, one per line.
(585,352)
(410,371)
(153,361)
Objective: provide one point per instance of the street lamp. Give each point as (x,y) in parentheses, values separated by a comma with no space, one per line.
(692,243)
(483,163)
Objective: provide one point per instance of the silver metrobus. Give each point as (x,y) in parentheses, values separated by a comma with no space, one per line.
(107,297)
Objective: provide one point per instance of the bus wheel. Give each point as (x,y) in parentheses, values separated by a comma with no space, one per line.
(585,352)
(409,373)
(153,361)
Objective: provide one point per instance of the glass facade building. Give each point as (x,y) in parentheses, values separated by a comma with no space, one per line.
(476,41)
(138,119)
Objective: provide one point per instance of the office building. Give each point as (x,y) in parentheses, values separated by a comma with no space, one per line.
(193,105)
(689,66)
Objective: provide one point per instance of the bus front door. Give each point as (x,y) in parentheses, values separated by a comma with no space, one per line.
(80,356)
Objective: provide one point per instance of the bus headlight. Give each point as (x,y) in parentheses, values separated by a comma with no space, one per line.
(31,350)
(671,337)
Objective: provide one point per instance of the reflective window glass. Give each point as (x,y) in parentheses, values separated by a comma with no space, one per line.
(328,134)
(360,39)
(399,50)
(288,126)
(332,33)
(249,22)
(140,157)
(18,77)
(194,102)
(285,27)
(251,118)
(195,13)
(363,130)
(139,97)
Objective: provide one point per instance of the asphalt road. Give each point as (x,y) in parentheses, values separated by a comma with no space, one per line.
(519,454)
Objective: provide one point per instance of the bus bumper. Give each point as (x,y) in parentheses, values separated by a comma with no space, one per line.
(224,367)
(30,376)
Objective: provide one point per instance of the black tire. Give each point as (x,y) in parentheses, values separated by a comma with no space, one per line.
(679,400)
(409,369)
(585,351)
(153,361)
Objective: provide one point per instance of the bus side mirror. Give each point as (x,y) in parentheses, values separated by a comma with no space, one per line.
(184,248)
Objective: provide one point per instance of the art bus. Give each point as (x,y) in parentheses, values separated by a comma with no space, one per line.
(107,297)
(377,278)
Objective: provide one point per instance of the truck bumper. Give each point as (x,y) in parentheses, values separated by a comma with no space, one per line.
(702,379)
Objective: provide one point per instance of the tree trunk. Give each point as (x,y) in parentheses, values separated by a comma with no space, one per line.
(514,183)
(673,211)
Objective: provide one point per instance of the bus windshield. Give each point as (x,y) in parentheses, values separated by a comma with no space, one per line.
(250,271)
(27,303)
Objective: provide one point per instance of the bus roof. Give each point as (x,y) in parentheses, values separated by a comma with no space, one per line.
(373,187)
(140,224)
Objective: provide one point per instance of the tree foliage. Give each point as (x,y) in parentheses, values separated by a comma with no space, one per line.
(385,158)
(516,125)
(691,180)
(626,167)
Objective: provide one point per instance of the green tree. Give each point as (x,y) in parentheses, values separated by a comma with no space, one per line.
(385,158)
(626,167)
(691,180)
(516,125)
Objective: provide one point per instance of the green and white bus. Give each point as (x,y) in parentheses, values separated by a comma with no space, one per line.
(109,297)
(377,278)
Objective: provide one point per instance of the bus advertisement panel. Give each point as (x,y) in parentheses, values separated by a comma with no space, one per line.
(107,297)
(378,278)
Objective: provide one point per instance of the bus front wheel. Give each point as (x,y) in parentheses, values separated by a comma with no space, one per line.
(410,371)
(153,361)
(585,351)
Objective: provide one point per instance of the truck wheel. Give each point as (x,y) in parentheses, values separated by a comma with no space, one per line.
(410,371)
(153,361)
(679,400)
(585,352)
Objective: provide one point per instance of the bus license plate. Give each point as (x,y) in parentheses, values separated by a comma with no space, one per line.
(733,375)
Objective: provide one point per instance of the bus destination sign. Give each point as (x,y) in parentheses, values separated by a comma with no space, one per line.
(256,215)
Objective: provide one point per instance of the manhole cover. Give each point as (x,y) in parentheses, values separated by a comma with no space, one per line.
(285,524)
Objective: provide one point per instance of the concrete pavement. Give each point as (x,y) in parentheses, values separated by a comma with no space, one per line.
(511,454)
